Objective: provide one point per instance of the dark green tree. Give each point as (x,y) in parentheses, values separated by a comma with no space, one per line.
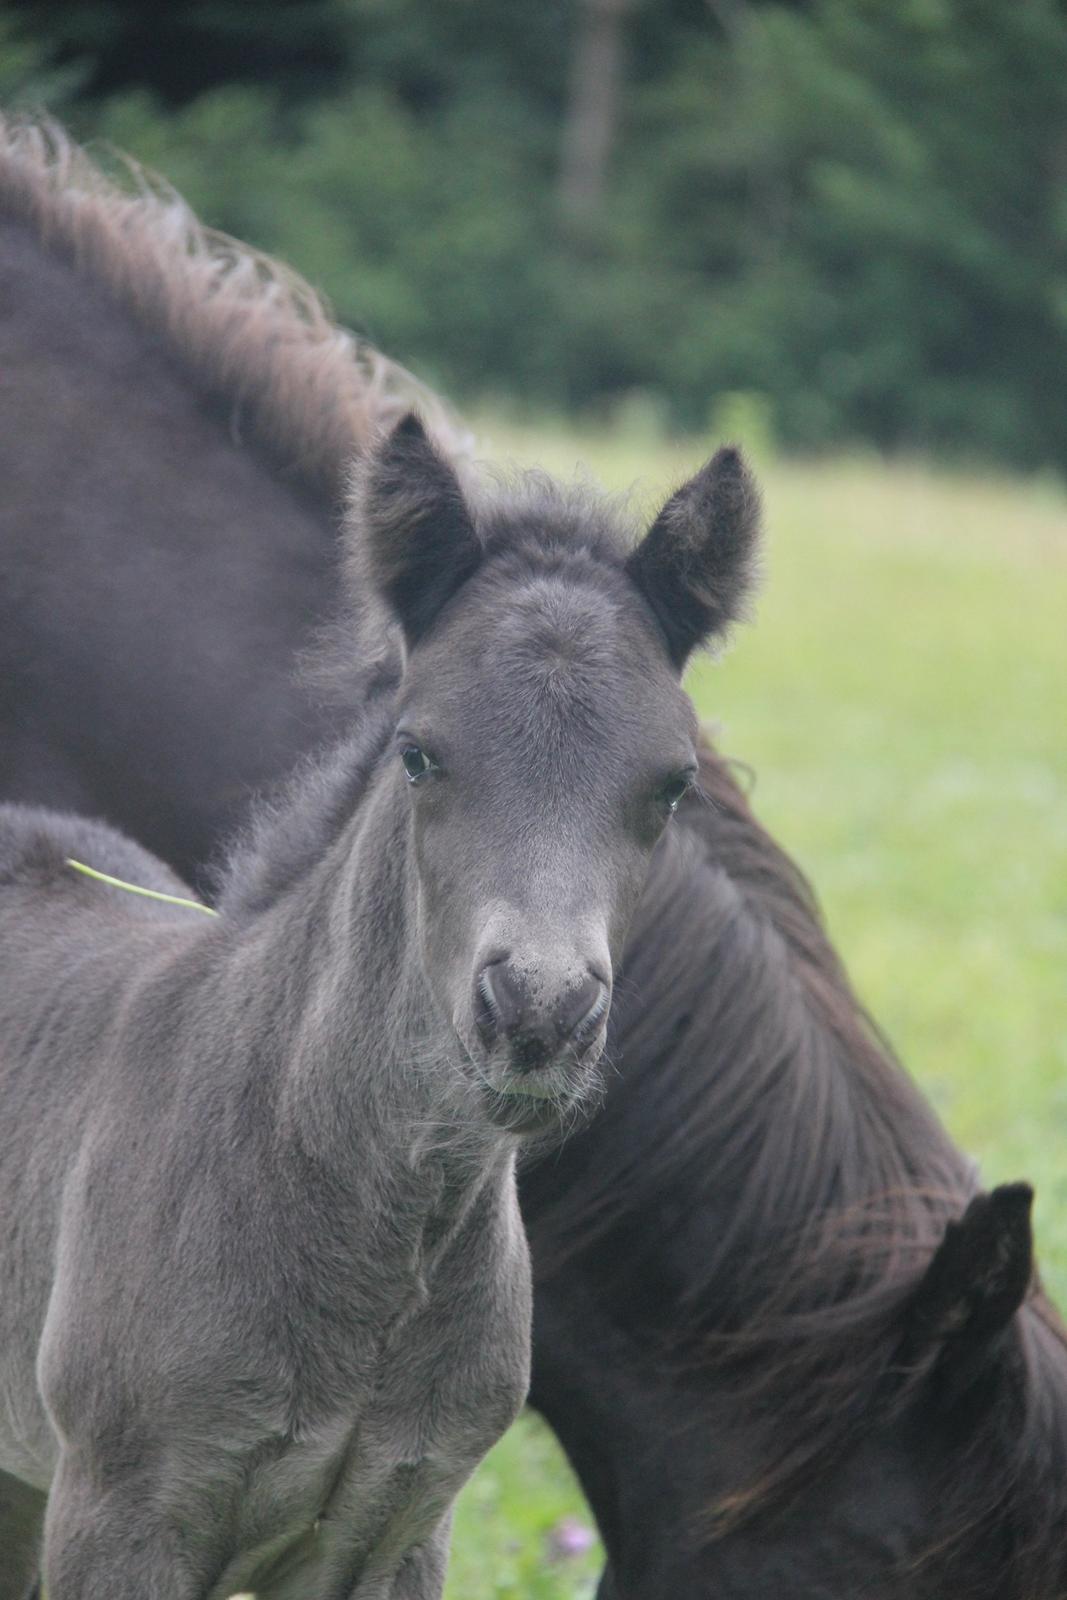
(855,208)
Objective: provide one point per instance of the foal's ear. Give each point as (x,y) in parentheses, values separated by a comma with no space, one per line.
(416,527)
(696,564)
(976,1282)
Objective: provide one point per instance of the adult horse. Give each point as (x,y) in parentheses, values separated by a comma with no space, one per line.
(771,1368)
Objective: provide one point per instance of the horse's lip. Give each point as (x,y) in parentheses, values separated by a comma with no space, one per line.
(536,1102)
(532,1086)
(523,1113)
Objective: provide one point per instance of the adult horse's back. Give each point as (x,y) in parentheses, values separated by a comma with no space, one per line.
(175,414)
(733,1263)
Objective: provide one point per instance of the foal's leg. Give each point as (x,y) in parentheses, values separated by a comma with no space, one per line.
(21,1520)
(111,1544)
(421,1575)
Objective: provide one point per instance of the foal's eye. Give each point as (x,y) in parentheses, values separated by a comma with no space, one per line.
(675,790)
(416,762)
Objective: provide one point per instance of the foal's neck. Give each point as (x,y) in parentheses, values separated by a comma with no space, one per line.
(369,1070)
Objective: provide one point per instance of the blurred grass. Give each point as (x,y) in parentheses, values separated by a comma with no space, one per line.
(515,1521)
(903,703)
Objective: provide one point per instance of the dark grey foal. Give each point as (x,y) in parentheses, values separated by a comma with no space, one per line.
(265,1291)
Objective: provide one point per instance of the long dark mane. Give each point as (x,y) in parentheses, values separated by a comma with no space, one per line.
(781,1114)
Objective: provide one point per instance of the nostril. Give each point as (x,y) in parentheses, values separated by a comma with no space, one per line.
(536,1029)
(589,1024)
(585,1010)
(493,1000)
(485,1008)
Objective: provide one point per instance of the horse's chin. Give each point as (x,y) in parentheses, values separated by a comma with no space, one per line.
(526,1116)
(541,1104)
(548,1102)
(534,1117)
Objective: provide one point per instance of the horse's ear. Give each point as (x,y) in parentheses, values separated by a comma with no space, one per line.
(411,517)
(976,1282)
(696,565)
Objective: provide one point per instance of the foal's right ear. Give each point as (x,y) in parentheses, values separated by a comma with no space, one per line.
(977,1280)
(696,565)
(413,521)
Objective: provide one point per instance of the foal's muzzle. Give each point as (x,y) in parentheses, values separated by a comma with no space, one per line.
(535,1029)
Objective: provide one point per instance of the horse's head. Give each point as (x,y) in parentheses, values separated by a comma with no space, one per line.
(947,1477)
(955,1483)
(542,740)
(984,1361)
(961,1488)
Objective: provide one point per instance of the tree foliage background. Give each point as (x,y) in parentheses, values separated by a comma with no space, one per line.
(853,209)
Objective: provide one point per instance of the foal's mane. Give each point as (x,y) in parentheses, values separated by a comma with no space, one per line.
(290,828)
(249,332)
(768,1101)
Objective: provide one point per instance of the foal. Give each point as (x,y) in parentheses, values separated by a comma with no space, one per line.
(266,1292)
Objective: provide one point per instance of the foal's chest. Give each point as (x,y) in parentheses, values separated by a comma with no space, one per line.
(354,1488)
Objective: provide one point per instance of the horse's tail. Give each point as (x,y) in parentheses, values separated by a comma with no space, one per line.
(252,335)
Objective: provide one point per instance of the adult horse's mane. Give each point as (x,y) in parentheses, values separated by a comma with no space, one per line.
(246,329)
(833,1178)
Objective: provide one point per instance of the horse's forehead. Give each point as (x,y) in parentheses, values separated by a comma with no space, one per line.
(552,659)
(550,625)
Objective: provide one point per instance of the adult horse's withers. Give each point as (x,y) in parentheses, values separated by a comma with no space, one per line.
(266,1290)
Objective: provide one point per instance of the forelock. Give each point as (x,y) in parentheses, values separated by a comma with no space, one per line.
(533,517)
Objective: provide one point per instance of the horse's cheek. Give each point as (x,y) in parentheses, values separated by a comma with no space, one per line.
(442,912)
(631,875)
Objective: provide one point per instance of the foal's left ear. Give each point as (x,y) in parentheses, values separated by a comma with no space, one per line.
(976,1282)
(696,565)
(413,521)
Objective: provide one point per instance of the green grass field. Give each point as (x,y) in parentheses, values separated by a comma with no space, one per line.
(902,700)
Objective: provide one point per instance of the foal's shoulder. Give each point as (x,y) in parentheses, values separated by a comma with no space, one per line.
(37,845)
